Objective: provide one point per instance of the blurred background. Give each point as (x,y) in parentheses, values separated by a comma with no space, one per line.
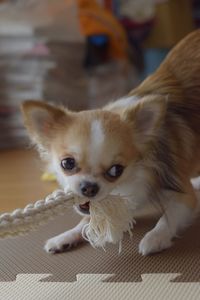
(81,53)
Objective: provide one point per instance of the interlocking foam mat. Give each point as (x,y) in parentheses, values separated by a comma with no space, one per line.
(28,272)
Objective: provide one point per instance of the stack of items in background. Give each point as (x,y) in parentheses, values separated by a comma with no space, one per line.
(22,72)
(24,63)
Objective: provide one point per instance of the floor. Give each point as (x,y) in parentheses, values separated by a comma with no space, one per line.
(20,183)
(81,270)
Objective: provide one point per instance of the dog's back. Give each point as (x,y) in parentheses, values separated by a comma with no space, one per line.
(179,74)
(178,80)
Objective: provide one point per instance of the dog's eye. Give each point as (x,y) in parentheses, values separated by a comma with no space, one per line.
(115,171)
(68,163)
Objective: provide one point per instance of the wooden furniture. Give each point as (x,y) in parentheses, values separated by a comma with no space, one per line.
(173,21)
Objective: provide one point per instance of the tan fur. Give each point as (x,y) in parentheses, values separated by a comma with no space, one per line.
(63,127)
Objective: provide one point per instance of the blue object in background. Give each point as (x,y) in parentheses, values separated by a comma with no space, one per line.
(96,53)
(152,60)
(98,40)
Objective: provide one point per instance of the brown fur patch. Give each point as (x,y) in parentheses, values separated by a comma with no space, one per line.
(77,136)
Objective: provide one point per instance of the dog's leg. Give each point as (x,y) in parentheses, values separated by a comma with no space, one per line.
(177,216)
(65,241)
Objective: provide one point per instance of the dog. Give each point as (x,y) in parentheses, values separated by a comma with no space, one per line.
(144,146)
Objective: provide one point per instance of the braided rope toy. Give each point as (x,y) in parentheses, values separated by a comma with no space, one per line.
(110,218)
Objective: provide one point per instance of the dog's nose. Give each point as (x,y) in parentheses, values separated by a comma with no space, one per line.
(89,189)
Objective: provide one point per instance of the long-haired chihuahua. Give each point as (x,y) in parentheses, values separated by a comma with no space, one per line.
(144,146)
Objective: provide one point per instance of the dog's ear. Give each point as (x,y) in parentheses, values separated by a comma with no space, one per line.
(145,118)
(42,120)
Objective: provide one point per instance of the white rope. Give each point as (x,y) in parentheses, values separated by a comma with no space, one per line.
(110,217)
(21,221)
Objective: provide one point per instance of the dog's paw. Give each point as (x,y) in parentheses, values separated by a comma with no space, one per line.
(63,242)
(154,241)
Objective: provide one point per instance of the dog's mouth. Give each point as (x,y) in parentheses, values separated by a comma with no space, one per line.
(85,208)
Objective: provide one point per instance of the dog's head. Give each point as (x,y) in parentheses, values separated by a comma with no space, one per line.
(92,152)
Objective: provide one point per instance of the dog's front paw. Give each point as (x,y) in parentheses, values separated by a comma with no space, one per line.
(154,241)
(63,242)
